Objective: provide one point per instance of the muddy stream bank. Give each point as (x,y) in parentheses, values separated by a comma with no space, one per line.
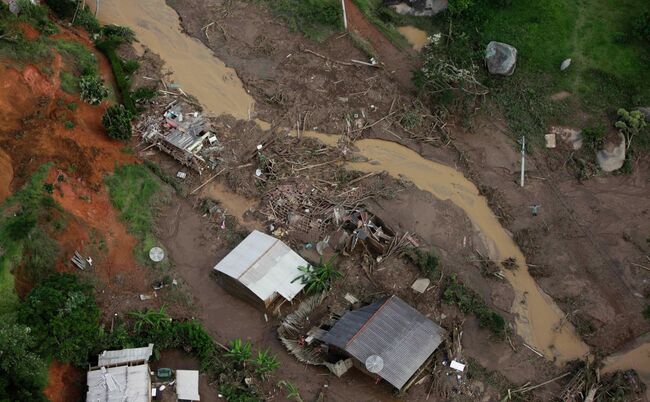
(219,90)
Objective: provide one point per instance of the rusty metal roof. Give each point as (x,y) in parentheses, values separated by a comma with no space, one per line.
(392,330)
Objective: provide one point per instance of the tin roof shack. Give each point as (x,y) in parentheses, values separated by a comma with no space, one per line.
(121,375)
(260,270)
(187,385)
(186,136)
(388,338)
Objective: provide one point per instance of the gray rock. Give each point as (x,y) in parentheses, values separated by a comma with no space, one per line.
(612,157)
(500,58)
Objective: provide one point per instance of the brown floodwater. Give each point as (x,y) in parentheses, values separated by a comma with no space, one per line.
(220,91)
(194,66)
(537,316)
(637,358)
(415,37)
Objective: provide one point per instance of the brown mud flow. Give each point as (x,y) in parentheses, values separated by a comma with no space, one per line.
(415,37)
(193,65)
(538,319)
(637,358)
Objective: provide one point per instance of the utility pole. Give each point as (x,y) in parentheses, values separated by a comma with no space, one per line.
(523,158)
(345,17)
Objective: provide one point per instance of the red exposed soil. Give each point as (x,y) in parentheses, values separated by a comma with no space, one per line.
(6,175)
(32,133)
(29,31)
(65,383)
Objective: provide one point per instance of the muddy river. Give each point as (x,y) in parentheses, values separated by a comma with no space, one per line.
(193,65)
(415,37)
(219,90)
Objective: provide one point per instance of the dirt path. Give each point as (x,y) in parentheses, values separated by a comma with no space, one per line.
(397,61)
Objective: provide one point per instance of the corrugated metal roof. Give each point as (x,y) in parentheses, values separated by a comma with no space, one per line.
(265,265)
(112,357)
(391,329)
(187,385)
(119,384)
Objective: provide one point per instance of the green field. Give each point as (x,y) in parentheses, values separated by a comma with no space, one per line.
(610,64)
(609,69)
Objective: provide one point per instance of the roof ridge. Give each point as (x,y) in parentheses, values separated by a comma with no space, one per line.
(372,317)
(275,241)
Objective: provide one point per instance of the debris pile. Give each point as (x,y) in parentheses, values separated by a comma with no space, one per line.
(185,135)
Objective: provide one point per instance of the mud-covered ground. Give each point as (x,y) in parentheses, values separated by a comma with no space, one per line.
(587,234)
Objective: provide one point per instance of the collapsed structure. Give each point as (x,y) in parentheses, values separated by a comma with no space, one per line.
(186,136)
(121,375)
(261,269)
(388,338)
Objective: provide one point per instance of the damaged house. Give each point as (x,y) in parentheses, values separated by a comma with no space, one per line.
(187,136)
(121,375)
(388,339)
(261,270)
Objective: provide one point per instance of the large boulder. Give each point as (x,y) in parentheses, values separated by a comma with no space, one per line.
(612,157)
(500,58)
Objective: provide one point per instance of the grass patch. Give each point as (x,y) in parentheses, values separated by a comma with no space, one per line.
(609,66)
(362,44)
(426,261)
(166,178)
(317,19)
(469,302)
(108,47)
(136,194)
(26,218)
(77,56)
(69,83)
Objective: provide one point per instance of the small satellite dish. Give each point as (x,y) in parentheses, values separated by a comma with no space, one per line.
(374,364)
(156,254)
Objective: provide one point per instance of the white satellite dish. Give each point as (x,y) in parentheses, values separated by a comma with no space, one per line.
(156,254)
(374,364)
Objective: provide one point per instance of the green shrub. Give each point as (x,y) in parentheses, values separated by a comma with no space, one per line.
(23,374)
(318,278)
(118,34)
(62,8)
(646,312)
(37,16)
(633,126)
(86,19)
(144,94)
(124,85)
(239,351)
(92,89)
(594,137)
(427,261)
(265,362)
(64,318)
(130,66)
(117,122)
(69,83)
(468,302)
